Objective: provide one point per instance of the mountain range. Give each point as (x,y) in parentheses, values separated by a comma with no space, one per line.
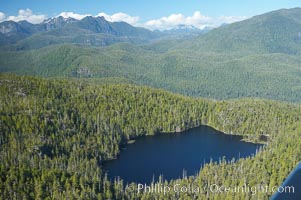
(257,57)
(274,32)
(92,31)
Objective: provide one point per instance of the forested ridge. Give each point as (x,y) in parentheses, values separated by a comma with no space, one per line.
(187,71)
(55,134)
(258,57)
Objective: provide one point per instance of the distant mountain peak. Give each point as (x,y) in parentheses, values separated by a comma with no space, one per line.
(186,27)
(9,28)
(94,19)
(57,22)
(101,17)
(91,18)
(59,19)
(182,31)
(273,32)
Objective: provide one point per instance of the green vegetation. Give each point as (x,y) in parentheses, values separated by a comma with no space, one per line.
(260,34)
(56,133)
(214,75)
(252,58)
(94,31)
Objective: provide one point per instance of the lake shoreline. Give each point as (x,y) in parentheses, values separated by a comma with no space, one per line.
(170,153)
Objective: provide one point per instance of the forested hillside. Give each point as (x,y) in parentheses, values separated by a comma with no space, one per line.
(274,32)
(91,31)
(56,133)
(213,75)
(257,57)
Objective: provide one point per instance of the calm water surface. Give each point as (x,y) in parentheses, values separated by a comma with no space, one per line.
(171,154)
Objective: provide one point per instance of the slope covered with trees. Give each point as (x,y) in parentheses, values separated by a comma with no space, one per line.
(213,75)
(258,57)
(94,31)
(56,133)
(274,32)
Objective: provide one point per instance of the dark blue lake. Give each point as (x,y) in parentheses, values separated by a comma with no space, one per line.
(170,154)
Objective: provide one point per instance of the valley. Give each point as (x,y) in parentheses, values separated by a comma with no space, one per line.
(75,92)
(73,129)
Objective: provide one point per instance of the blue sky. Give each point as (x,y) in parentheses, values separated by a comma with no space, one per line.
(145,11)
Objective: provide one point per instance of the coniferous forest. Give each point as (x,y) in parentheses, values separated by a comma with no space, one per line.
(74,92)
(56,133)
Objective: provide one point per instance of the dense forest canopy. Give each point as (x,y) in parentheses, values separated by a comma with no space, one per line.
(251,58)
(73,91)
(55,133)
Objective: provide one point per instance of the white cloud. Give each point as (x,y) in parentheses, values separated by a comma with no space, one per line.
(168,22)
(165,22)
(231,19)
(27,15)
(2,16)
(73,15)
(197,19)
(118,17)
